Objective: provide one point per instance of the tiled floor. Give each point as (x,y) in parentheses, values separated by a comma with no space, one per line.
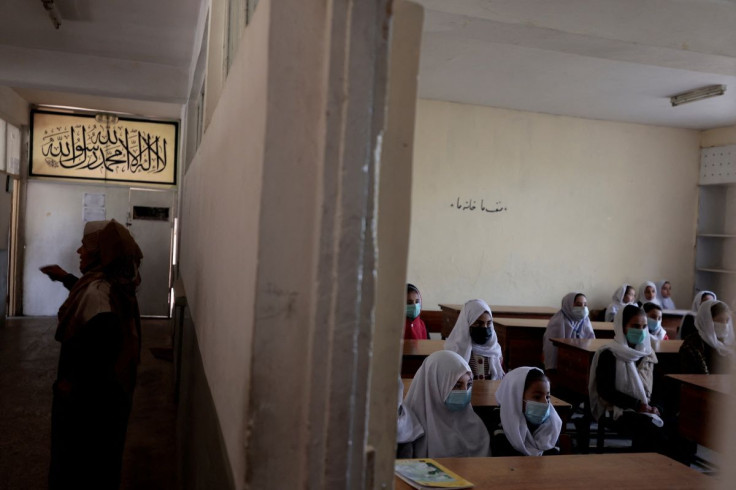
(28,356)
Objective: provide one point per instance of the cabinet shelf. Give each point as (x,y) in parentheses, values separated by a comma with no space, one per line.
(716,235)
(716,271)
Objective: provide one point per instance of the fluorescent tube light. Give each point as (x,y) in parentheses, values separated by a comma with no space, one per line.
(697,94)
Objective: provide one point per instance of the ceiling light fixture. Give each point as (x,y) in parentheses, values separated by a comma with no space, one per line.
(697,94)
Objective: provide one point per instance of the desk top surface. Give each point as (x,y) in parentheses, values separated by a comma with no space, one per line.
(573,472)
(592,345)
(514,310)
(484,393)
(421,347)
(722,383)
(677,312)
(542,323)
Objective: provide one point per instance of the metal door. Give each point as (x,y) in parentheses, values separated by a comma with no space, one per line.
(150,220)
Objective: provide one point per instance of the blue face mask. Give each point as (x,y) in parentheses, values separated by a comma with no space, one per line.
(536,413)
(458,399)
(412,311)
(636,336)
(579,312)
(653,325)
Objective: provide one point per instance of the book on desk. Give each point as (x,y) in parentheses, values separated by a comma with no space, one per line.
(428,474)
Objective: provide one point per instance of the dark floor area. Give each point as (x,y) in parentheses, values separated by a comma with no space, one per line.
(28,357)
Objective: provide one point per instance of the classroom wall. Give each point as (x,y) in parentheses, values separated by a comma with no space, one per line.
(573,204)
(219,220)
(718,137)
(13,107)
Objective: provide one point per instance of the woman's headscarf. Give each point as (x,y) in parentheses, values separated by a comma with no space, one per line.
(563,325)
(628,377)
(107,286)
(698,299)
(459,340)
(666,303)
(509,395)
(641,293)
(408,428)
(617,302)
(706,330)
(447,434)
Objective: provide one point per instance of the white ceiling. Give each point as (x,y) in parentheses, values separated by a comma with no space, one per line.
(616,60)
(603,59)
(108,49)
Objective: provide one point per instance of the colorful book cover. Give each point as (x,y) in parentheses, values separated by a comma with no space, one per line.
(428,474)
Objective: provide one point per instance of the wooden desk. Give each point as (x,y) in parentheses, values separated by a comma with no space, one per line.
(574,357)
(521,339)
(671,320)
(575,472)
(484,401)
(414,353)
(450,313)
(704,399)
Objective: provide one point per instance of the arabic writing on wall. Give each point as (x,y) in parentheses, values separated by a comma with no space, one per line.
(78,146)
(470,205)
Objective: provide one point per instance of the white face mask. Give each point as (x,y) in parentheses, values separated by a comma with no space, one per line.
(579,312)
(721,330)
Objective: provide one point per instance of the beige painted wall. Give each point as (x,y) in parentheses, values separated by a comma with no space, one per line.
(13,107)
(718,137)
(590,204)
(220,216)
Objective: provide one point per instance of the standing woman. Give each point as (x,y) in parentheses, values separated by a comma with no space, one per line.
(571,322)
(474,339)
(99,330)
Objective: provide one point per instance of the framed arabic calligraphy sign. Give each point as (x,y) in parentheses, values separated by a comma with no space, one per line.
(76,146)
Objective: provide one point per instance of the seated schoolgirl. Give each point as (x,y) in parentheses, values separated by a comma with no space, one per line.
(710,348)
(571,322)
(687,325)
(530,424)
(654,322)
(474,339)
(439,396)
(647,293)
(621,382)
(625,295)
(414,327)
(408,428)
(664,294)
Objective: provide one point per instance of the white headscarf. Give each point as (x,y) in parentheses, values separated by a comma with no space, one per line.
(627,376)
(509,395)
(641,293)
(667,303)
(617,303)
(459,340)
(697,300)
(408,428)
(706,330)
(562,325)
(446,434)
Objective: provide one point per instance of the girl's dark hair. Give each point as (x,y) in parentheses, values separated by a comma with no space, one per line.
(631,311)
(578,295)
(628,286)
(533,376)
(410,288)
(651,306)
